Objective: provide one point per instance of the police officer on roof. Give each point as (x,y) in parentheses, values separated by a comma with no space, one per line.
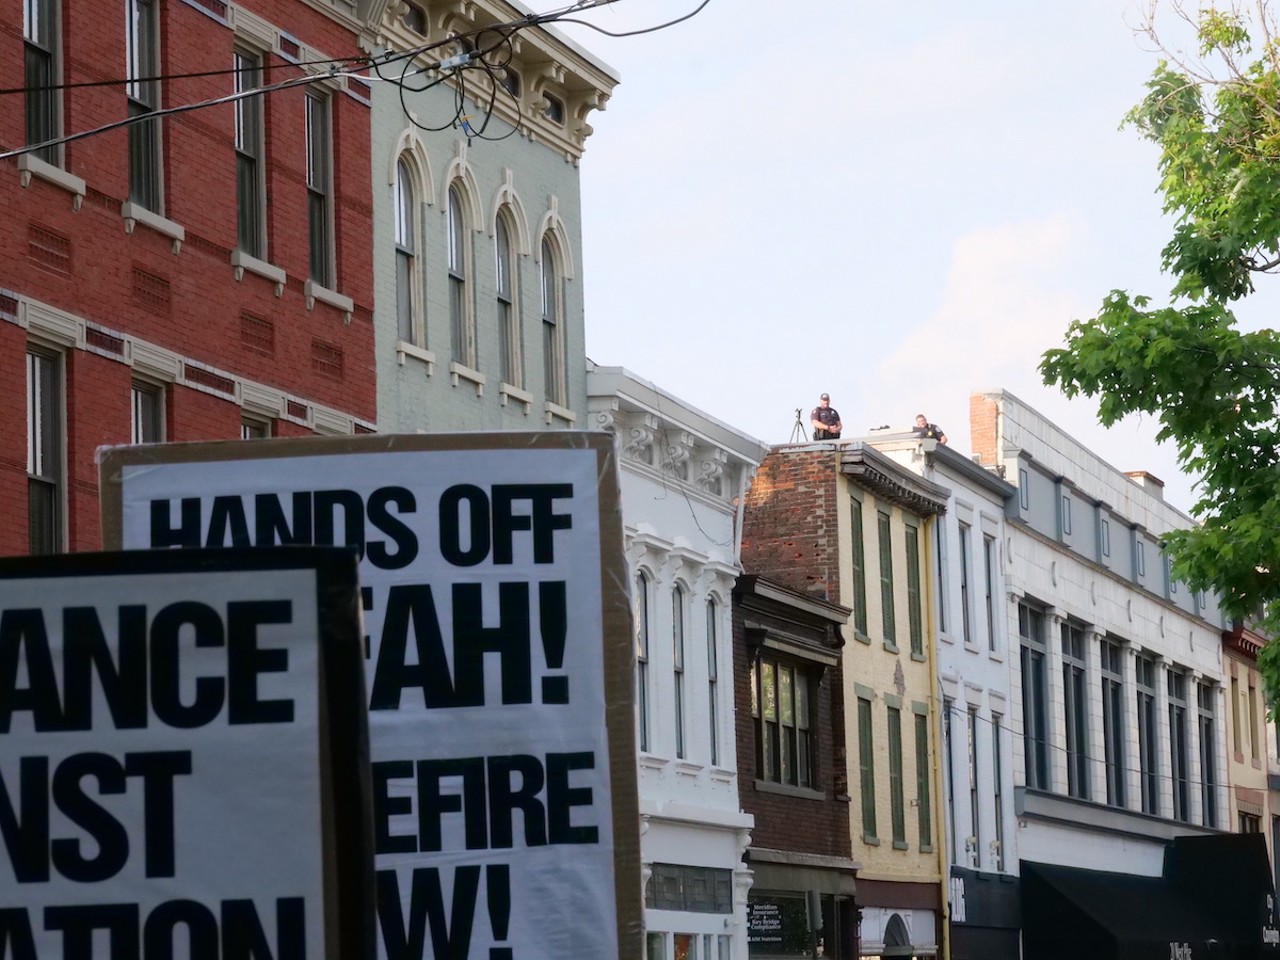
(927,430)
(825,420)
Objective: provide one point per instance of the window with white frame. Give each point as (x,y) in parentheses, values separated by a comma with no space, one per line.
(1075,709)
(780,697)
(508,303)
(1035,694)
(147,413)
(1148,754)
(45,476)
(948,708)
(1104,537)
(677,660)
(251,219)
(319,148)
(462,338)
(252,428)
(1206,694)
(966,605)
(997,786)
(40,76)
(713,680)
(940,547)
(642,659)
(142,70)
(989,578)
(409,325)
(553,332)
(975,818)
(1113,728)
(1178,754)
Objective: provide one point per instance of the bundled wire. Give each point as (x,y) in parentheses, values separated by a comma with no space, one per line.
(488,50)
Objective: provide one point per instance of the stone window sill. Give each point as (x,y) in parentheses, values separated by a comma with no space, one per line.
(313,292)
(508,393)
(135,214)
(460,371)
(30,166)
(554,411)
(406,349)
(243,262)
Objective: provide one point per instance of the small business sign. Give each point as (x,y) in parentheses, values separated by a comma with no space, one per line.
(498,660)
(179,734)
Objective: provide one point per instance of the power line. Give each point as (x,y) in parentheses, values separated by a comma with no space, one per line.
(451,67)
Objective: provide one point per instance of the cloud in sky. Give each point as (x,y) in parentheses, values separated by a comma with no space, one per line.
(1005,300)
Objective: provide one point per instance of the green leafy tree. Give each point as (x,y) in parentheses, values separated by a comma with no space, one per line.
(1213,387)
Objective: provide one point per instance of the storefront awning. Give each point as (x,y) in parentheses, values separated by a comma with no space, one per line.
(1213,902)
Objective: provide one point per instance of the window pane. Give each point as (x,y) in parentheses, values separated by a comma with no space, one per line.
(248,136)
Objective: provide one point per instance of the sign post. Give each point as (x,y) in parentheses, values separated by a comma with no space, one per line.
(498,662)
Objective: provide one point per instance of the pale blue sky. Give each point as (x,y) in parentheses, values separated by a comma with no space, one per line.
(895,203)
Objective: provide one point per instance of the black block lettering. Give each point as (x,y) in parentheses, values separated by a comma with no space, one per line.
(86,652)
(411,604)
(27,839)
(161,930)
(510,639)
(23,632)
(561,798)
(451,547)
(166,634)
(158,769)
(77,924)
(245,660)
(401,535)
(188,532)
(107,832)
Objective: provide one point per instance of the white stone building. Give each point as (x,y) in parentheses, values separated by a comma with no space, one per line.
(683,474)
(1117,704)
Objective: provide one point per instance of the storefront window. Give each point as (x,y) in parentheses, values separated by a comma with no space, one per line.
(778,926)
(656,947)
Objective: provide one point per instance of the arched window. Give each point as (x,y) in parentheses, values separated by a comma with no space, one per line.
(552,278)
(642,660)
(408,305)
(713,680)
(508,304)
(677,658)
(463,341)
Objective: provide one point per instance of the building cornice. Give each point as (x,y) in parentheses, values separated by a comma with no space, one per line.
(869,468)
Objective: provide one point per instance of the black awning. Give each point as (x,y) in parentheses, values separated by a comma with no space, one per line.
(1213,902)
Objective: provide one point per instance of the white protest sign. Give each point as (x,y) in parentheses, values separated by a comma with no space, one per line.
(166,777)
(498,665)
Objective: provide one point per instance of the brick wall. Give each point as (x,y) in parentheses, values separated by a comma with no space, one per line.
(984,422)
(84,264)
(794,491)
(789,822)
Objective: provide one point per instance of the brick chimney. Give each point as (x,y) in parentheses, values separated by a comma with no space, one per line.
(984,420)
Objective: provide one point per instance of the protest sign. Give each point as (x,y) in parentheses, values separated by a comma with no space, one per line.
(498,662)
(179,736)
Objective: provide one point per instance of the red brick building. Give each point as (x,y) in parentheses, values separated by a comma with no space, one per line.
(789,704)
(202,274)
